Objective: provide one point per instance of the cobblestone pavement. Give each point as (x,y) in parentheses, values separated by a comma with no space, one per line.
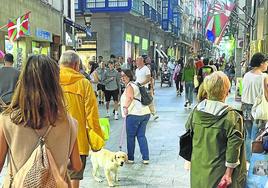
(166,169)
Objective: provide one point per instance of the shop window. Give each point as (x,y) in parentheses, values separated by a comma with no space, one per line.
(95,3)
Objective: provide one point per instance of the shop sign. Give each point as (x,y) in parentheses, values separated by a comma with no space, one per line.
(144,44)
(136,39)
(128,37)
(44,35)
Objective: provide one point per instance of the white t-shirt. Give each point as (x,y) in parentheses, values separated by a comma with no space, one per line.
(141,74)
(252,87)
(135,108)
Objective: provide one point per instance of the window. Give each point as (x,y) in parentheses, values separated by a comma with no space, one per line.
(118,3)
(95,3)
(76,4)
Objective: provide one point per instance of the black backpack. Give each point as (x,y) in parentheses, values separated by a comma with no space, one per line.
(146,98)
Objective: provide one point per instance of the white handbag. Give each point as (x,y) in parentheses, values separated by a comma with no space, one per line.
(260,107)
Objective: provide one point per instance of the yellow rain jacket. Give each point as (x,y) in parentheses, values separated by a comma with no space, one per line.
(81,103)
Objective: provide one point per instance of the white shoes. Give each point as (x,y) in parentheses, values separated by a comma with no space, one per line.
(108,114)
(116,116)
(155,116)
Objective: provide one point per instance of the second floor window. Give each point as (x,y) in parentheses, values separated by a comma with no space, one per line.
(117,3)
(95,3)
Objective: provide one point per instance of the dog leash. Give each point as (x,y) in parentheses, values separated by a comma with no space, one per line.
(122,135)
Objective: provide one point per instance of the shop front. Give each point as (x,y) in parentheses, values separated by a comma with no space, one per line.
(86,47)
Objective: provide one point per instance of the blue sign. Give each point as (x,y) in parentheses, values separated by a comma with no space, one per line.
(42,34)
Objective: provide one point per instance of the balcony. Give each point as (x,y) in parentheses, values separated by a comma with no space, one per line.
(153,15)
(103,5)
(137,6)
(146,10)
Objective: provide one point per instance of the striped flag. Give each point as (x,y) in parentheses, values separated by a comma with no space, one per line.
(18,27)
(217,20)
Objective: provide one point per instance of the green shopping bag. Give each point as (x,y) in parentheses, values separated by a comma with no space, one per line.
(105,126)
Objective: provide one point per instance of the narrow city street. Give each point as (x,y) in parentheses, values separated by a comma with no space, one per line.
(165,168)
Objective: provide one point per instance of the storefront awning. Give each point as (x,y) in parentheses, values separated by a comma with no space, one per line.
(187,44)
(164,54)
(159,53)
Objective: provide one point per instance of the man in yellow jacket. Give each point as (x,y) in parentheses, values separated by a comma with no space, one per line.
(81,103)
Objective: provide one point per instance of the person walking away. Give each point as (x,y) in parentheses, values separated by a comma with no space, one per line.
(82,70)
(199,63)
(218,127)
(111,80)
(229,69)
(136,116)
(171,67)
(38,108)
(204,71)
(222,62)
(143,77)
(81,103)
(177,76)
(252,88)
(188,78)
(100,86)
(211,63)
(8,79)
(93,75)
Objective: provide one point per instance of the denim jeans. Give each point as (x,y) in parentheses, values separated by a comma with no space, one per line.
(251,135)
(189,89)
(136,127)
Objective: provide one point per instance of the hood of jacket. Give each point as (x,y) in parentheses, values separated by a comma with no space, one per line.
(69,76)
(209,112)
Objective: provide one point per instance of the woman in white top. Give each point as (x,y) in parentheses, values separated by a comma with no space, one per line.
(136,116)
(252,87)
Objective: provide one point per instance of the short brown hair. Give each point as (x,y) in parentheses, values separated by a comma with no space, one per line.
(129,74)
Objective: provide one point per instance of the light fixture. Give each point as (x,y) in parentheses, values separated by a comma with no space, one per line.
(87,18)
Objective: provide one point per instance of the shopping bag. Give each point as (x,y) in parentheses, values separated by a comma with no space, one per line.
(196,82)
(258,171)
(105,126)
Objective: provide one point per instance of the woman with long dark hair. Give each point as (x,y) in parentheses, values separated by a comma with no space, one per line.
(38,106)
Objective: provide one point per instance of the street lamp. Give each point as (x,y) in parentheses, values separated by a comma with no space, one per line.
(87,18)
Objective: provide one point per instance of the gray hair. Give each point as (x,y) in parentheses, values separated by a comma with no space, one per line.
(69,58)
(217,85)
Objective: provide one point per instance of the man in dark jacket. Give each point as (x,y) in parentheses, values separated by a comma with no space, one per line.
(9,77)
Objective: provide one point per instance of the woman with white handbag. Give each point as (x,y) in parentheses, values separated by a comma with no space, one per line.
(255,85)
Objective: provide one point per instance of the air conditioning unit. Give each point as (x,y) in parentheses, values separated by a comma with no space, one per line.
(240,43)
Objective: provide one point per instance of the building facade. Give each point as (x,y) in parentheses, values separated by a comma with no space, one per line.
(131,28)
(46,33)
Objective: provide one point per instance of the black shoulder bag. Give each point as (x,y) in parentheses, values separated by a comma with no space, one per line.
(186,140)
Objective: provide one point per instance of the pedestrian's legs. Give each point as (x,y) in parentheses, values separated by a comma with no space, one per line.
(177,85)
(248,126)
(107,105)
(142,138)
(191,92)
(152,108)
(187,92)
(131,128)
(180,85)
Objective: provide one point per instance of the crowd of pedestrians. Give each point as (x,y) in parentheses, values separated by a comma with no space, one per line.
(46,96)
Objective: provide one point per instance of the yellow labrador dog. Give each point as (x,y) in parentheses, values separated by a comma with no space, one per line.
(109,161)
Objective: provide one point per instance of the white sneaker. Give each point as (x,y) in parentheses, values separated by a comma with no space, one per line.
(116,116)
(108,114)
(155,116)
(146,162)
(189,106)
